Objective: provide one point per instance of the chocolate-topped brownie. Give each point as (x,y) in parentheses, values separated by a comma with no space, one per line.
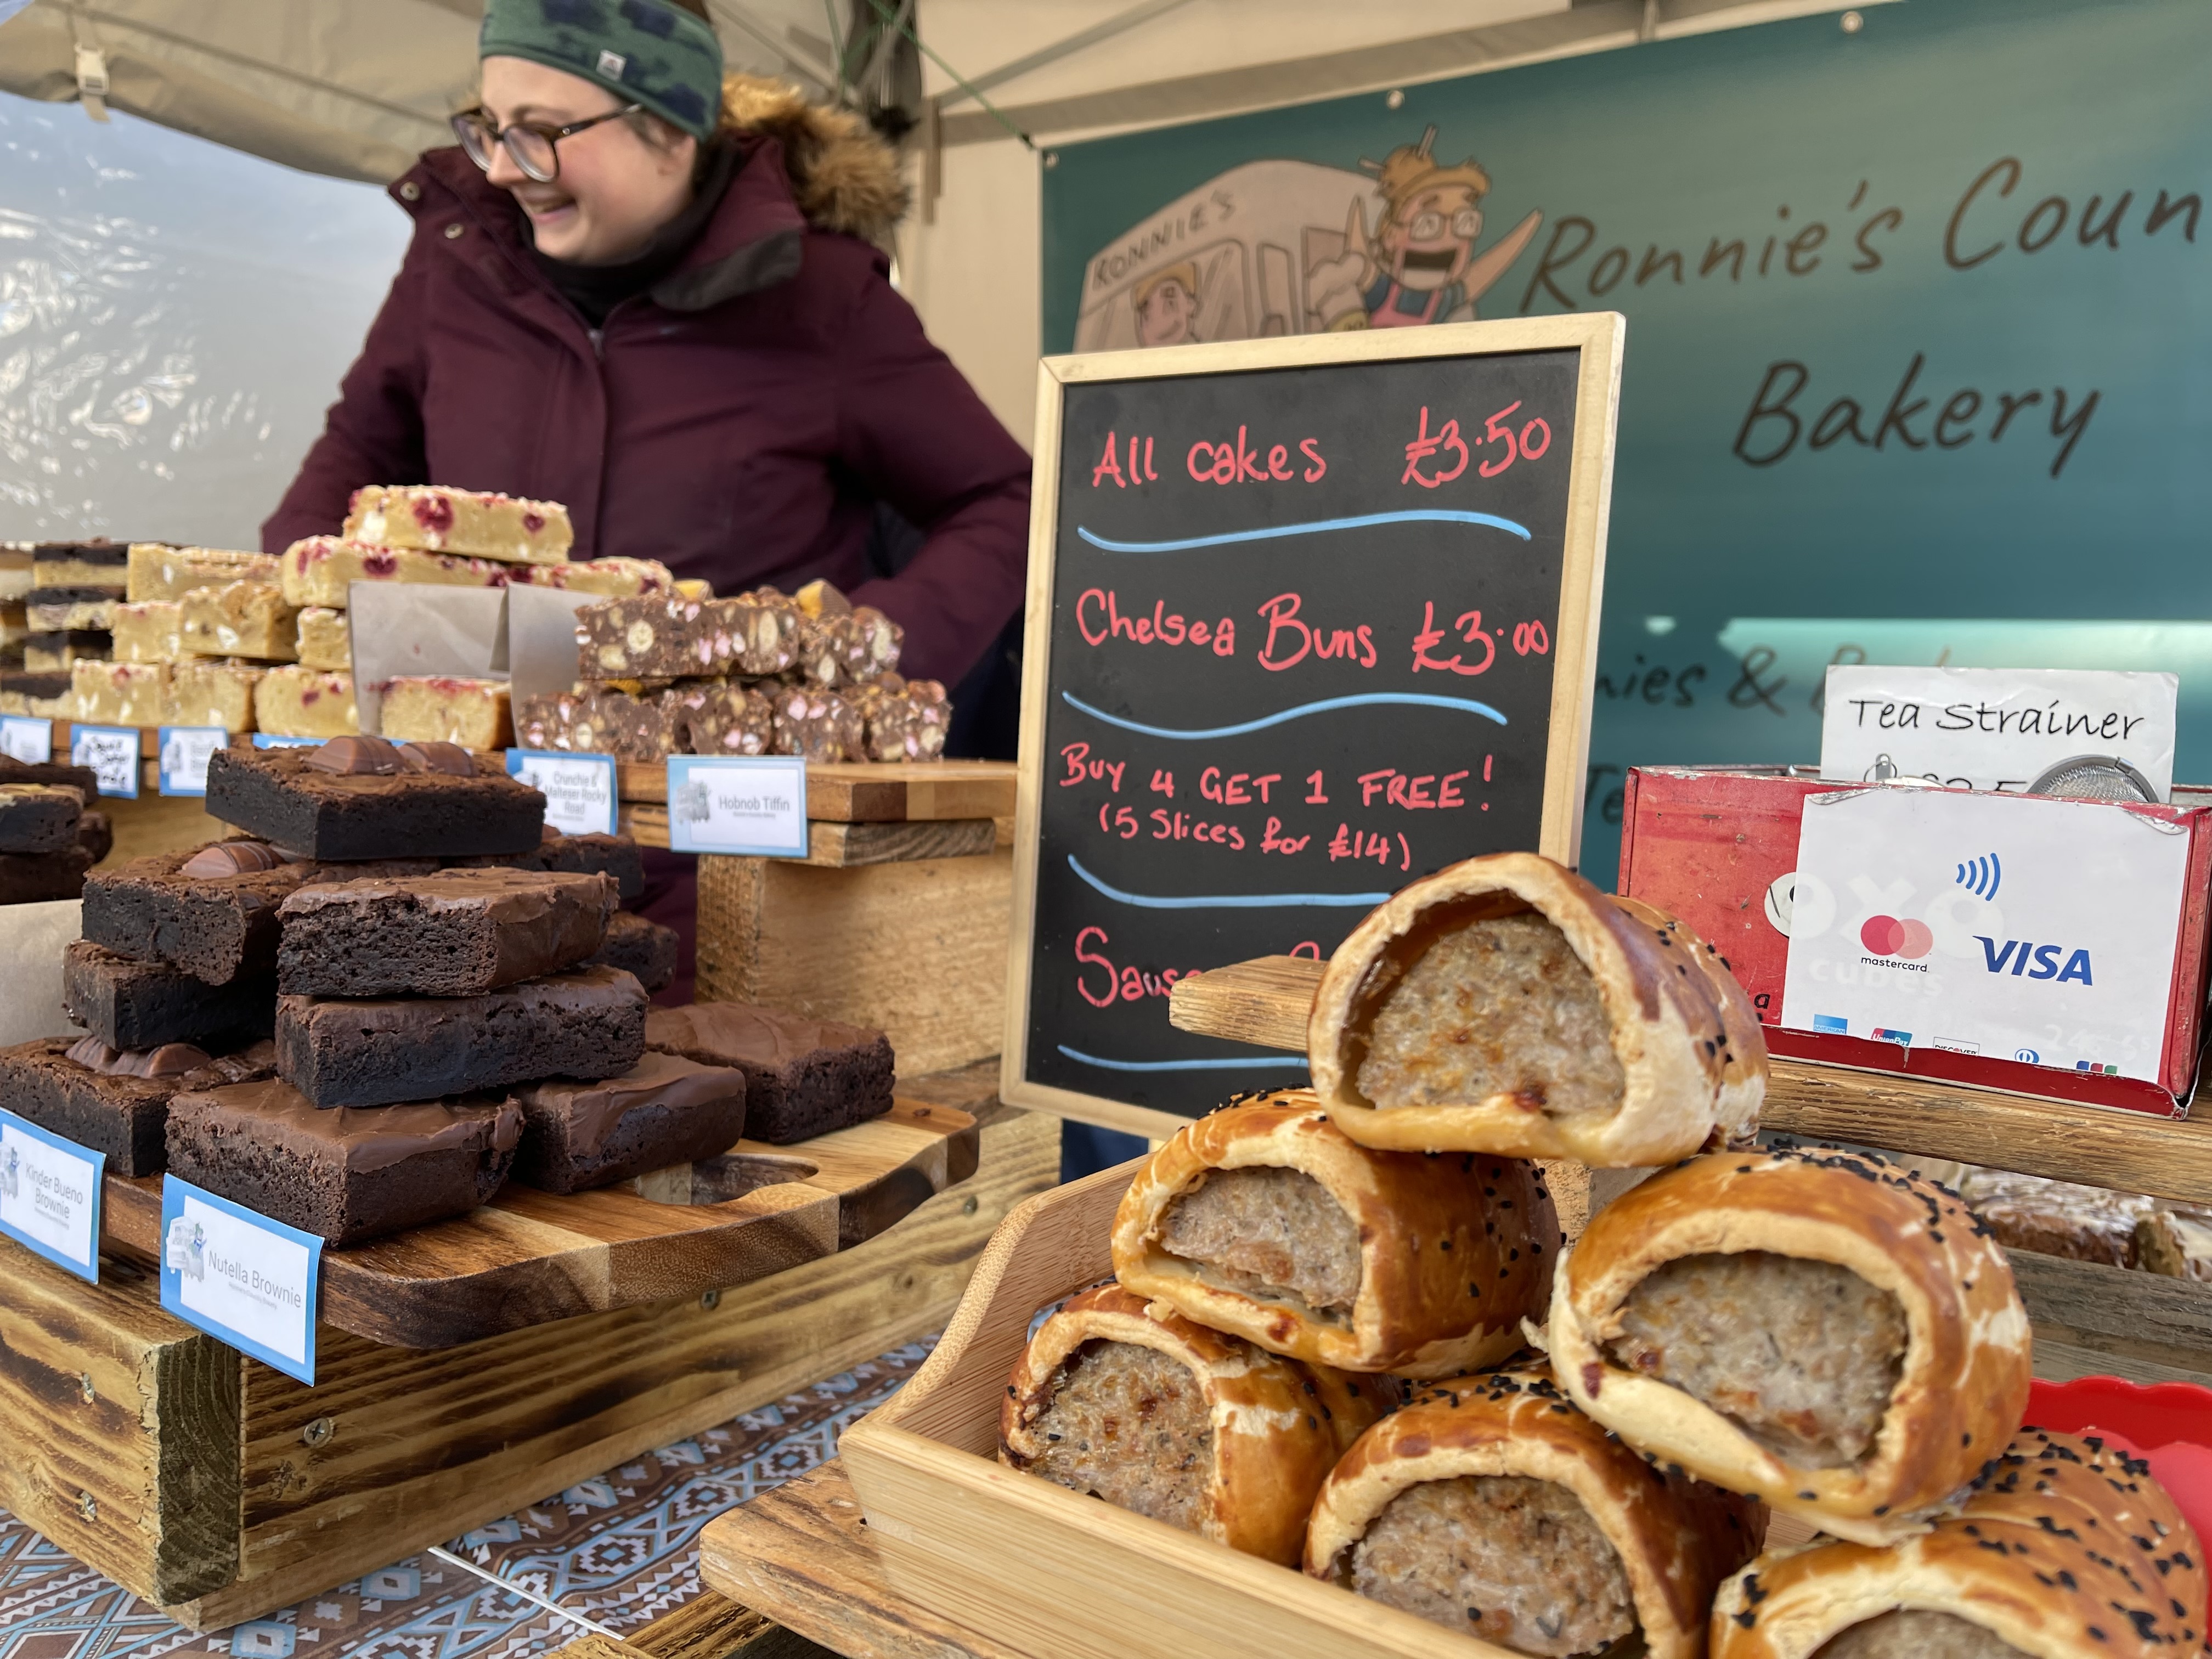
(211,910)
(803,1077)
(453,933)
(346,1174)
(38,818)
(114,1102)
(595,854)
(362,797)
(129,1004)
(82,779)
(664,1111)
(641,947)
(367,1051)
(43,877)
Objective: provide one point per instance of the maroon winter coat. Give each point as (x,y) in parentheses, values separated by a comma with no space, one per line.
(735,422)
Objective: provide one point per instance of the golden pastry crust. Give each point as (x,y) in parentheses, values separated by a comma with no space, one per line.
(1455,1251)
(2069,1547)
(1692,1058)
(1278,1427)
(1962,1385)
(1677,1538)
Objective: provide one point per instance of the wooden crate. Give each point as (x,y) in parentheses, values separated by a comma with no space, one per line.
(917,947)
(1041,1570)
(220,1488)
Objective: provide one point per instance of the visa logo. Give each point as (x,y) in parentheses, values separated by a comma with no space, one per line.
(2017,954)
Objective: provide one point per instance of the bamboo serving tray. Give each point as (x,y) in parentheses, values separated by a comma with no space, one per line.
(1266,1002)
(529,1257)
(1032,1566)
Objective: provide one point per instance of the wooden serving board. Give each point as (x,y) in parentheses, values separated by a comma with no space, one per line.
(530,1257)
(1266,1002)
(869,791)
(839,846)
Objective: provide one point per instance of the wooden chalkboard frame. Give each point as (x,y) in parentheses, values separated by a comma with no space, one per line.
(1597,336)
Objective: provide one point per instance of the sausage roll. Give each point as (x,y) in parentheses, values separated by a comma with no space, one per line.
(1205,1432)
(1492,1506)
(2069,1547)
(1506,1005)
(1265,1220)
(1819,1328)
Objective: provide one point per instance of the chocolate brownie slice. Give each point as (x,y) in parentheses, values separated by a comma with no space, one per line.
(580,856)
(114,1102)
(347,1175)
(82,779)
(362,797)
(664,1111)
(38,818)
(367,1051)
(95,836)
(129,1004)
(639,947)
(210,911)
(42,878)
(451,934)
(803,1077)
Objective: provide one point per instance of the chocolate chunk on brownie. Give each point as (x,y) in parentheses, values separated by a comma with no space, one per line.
(451,934)
(362,797)
(803,1077)
(348,1175)
(368,1051)
(127,1004)
(38,818)
(43,877)
(116,1102)
(664,1111)
(643,949)
(210,911)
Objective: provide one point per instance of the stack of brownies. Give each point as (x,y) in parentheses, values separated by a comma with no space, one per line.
(55,604)
(814,675)
(48,840)
(453,997)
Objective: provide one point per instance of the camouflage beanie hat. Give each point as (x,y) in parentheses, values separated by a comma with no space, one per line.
(641,51)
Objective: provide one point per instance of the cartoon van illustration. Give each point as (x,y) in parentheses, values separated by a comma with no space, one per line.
(1293,247)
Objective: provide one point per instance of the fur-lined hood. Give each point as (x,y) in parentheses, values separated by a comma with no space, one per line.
(843,177)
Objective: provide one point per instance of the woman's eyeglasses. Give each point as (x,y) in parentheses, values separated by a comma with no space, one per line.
(531,144)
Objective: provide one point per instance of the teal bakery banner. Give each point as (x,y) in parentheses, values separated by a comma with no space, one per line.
(1919,360)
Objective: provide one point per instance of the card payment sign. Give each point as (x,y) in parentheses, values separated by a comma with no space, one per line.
(2018,928)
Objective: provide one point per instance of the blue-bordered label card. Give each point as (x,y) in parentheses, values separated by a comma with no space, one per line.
(580,791)
(31,741)
(50,1195)
(754,806)
(240,1277)
(185,752)
(112,752)
(271,740)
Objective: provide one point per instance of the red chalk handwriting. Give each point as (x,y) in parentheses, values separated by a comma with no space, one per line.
(1119,821)
(1423,792)
(1181,826)
(1236,789)
(1469,624)
(1116,984)
(1240,462)
(1424,447)
(1140,469)
(1350,843)
(1530,637)
(1272,840)
(1082,768)
(1098,618)
(1290,640)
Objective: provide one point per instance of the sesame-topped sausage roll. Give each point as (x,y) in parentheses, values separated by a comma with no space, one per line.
(1819,1328)
(1265,1220)
(1171,1421)
(2069,1547)
(1492,1506)
(1506,1005)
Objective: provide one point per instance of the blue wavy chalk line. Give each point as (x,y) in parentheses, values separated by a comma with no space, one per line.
(1365,700)
(1175,1065)
(1365,521)
(1229,901)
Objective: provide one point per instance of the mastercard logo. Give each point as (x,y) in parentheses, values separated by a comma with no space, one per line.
(1885,936)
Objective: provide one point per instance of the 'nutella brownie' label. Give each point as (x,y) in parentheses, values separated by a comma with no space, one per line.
(50,1195)
(242,1278)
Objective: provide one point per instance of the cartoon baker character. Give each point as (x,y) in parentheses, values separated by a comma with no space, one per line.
(1167,307)
(1421,265)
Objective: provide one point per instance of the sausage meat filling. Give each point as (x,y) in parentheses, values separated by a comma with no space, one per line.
(1129,1424)
(1267,1232)
(1905,1635)
(1802,1356)
(1514,1561)
(1501,1007)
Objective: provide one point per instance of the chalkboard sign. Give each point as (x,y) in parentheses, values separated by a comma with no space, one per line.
(1308,618)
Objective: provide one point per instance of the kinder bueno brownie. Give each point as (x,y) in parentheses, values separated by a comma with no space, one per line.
(439,520)
(365,798)
(454,934)
(132,1004)
(116,1102)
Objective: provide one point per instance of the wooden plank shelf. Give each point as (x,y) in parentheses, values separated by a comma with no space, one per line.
(840,846)
(1266,1002)
(528,1258)
(872,792)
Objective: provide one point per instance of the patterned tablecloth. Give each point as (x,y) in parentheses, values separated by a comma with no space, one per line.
(618,1550)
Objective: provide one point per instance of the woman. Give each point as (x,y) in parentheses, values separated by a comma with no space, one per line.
(650,294)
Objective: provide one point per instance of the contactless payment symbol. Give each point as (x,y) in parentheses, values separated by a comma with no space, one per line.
(1886,936)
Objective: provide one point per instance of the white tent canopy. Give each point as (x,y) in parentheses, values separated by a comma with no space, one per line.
(357,88)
